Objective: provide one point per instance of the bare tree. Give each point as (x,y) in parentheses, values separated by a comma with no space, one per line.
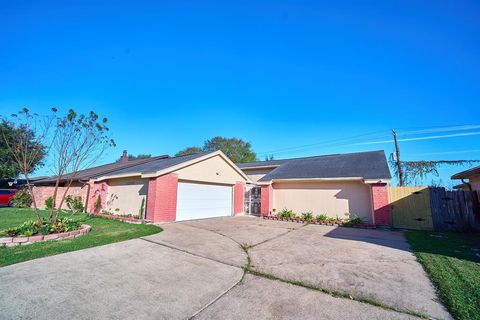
(30,142)
(79,142)
(73,142)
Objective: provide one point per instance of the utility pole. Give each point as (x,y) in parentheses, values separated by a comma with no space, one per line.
(397,155)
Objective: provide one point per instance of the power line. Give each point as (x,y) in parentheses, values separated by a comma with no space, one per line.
(323,144)
(341,142)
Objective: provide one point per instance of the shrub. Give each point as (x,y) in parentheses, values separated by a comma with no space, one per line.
(49,203)
(98,204)
(22,199)
(354,219)
(27,229)
(66,224)
(142,208)
(322,217)
(32,227)
(286,213)
(74,203)
(308,216)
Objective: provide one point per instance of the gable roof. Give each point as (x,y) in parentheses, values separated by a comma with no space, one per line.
(163,166)
(89,173)
(467,173)
(370,165)
(152,167)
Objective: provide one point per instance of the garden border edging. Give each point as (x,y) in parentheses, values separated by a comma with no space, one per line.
(120,218)
(322,222)
(15,241)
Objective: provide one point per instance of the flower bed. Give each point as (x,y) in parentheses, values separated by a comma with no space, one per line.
(121,218)
(15,241)
(323,222)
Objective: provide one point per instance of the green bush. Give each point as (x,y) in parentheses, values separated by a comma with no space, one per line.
(49,203)
(32,227)
(22,199)
(98,204)
(28,228)
(322,217)
(74,204)
(286,213)
(353,218)
(308,216)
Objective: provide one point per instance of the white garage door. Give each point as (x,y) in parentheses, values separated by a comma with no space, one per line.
(198,201)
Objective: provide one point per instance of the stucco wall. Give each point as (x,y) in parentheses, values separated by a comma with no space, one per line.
(330,198)
(212,170)
(256,174)
(125,195)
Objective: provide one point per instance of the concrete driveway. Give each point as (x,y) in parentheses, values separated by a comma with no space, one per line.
(195,270)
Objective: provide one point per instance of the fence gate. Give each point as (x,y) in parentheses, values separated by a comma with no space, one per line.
(410,208)
(454,210)
(252,200)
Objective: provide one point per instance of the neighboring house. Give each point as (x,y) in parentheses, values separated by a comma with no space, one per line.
(206,185)
(160,189)
(470,178)
(330,184)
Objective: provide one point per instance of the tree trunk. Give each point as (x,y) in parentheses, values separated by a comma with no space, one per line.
(35,208)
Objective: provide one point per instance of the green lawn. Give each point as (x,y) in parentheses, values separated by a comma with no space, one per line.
(452,261)
(103,231)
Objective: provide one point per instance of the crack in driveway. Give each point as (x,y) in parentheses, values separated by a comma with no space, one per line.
(248,270)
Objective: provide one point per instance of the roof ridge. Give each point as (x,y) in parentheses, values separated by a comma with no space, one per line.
(310,157)
(128,165)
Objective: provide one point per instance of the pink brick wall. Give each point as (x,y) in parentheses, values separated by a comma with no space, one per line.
(98,190)
(266,200)
(381,207)
(42,193)
(239,197)
(162,198)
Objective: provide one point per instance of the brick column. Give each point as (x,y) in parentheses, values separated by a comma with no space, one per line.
(97,190)
(162,198)
(381,206)
(238,198)
(266,200)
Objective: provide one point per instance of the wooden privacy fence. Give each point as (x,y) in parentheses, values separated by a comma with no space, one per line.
(428,208)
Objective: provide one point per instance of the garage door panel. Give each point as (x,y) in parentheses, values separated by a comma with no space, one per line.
(199,201)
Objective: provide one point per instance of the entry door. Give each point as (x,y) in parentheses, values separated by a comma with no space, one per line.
(199,201)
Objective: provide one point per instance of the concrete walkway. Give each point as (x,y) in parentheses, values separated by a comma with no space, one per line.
(195,270)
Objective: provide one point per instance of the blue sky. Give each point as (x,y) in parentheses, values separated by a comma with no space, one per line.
(280,74)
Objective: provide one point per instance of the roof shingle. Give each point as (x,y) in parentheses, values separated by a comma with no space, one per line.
(366,165)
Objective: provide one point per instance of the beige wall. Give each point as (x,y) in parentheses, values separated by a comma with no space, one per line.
(330,198)
(212,170)
(256,174)
(125,195)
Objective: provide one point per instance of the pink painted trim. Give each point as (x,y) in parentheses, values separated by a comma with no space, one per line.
(12,241)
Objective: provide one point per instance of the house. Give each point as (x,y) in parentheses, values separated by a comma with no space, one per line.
(204,185)
(159,189)
(470,179)
(330,184)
